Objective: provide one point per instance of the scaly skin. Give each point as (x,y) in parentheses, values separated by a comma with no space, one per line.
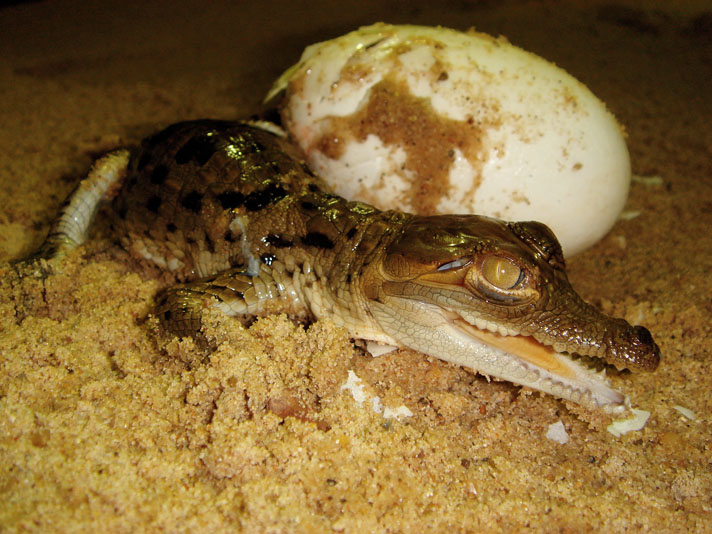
(235,206)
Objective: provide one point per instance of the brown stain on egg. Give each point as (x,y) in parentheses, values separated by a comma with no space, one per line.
(399,118)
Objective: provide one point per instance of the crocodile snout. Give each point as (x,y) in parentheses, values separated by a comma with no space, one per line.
(634,348)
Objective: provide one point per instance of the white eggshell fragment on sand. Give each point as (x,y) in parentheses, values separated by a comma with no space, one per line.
(431,120)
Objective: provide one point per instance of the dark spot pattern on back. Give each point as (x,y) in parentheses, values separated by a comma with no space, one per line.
(257,200)
(277,241)
(159,174)
(231,199)
(242,173)
(199,148)
(193,201)
(153,203)
(318,240)
(143,160)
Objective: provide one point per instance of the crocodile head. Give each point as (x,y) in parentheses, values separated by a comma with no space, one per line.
(494,296)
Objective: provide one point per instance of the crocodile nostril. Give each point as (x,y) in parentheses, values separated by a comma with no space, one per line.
(641,336)
(650,353)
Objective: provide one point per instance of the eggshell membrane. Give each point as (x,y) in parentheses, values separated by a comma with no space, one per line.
(431,120)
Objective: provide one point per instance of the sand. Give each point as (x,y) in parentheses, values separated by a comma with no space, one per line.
(107,426)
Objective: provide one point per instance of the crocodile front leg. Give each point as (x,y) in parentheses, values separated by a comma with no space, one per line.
(235,292)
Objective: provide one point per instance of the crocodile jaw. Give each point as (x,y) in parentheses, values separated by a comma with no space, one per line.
(445,335)
(544,369)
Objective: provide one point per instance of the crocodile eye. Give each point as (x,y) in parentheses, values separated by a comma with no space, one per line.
(501,272)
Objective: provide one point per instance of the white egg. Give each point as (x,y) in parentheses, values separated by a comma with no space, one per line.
(432,120)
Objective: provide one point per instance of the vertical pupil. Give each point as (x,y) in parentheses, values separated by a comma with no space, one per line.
(501,272)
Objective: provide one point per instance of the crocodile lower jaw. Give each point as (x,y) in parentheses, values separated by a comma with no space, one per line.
(525,361)
(446,335)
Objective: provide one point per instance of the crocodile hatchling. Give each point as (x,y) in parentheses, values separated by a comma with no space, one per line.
(232,210)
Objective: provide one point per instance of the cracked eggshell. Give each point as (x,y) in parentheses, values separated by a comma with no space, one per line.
(432,120)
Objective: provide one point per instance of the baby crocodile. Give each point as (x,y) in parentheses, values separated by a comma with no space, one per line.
(232,210)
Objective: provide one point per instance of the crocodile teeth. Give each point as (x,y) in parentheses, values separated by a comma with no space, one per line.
(545,368)
(483,324)
(559,347)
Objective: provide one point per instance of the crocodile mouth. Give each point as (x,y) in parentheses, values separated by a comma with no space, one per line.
(504,354)
(526,361)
